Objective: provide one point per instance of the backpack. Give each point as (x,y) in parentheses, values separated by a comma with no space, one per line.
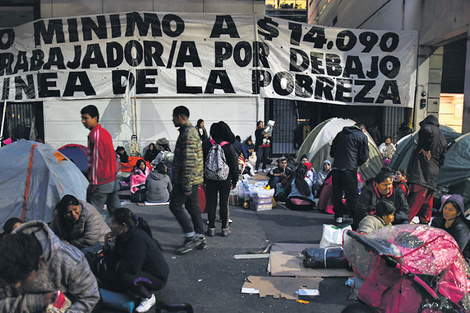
(216,167)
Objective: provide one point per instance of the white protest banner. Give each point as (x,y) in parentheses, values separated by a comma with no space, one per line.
(148,54)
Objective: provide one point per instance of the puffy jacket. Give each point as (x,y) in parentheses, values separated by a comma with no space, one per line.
(369,196)
(89,229)
(188,165)
(65,269)
(425,172)
(350,149)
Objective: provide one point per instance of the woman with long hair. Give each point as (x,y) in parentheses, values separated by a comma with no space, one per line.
(222,135)
(201,130)
(151,153)
(78,223)
(135,264)
(138,175)
(300,196)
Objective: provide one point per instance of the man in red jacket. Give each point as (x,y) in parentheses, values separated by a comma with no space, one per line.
(102,165)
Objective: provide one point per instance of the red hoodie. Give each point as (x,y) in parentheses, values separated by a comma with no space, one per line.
(102,165)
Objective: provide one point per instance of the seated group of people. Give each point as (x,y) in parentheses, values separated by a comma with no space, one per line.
(38,260)
(297,184)
(149,179)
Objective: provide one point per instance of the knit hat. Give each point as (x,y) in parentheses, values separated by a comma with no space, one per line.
(162,141)
(458,199)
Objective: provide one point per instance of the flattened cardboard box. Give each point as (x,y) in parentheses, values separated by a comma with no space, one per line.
(278,287)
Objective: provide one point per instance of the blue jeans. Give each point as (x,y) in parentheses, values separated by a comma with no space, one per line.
(190,202)
(262,155)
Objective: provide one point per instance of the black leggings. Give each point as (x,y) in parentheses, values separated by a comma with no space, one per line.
(222,188)
(140,284)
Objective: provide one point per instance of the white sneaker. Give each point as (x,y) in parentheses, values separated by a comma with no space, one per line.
(339,220)
(146,304)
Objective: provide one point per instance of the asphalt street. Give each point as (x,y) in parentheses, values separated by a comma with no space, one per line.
(211,280)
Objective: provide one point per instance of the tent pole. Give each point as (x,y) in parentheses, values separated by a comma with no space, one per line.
(3,119)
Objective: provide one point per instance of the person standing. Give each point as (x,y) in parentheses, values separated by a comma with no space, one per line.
(262,146)
(221,184)
(102,166)
(201,130)
(186,177)
(350,149)
(423,169)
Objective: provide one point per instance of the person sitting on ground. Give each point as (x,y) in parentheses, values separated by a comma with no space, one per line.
(10,225)
(383,216)
(136,264)
(310,170)
(321,177)
(453,221)
(248,149)
(158,185)
(249,146)
(381,188)
(300,195)
(399,181)
(121,154)
(139,175)
(164,155)
(151,153)
(35,264)
(387,149)
(78,223)
(277,174)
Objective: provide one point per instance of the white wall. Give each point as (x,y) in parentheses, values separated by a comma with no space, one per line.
(63,124)
(61,8)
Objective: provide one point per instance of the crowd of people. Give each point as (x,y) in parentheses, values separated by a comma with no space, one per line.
(125,257)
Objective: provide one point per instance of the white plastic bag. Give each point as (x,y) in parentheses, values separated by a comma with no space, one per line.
(332,235)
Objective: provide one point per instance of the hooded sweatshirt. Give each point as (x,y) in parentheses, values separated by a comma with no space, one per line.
(65,269)
(321,177)
(350,149)
(158,187)
(459,229)
(421,171)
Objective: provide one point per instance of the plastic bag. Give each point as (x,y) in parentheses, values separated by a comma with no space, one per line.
(324,258)
(332,235)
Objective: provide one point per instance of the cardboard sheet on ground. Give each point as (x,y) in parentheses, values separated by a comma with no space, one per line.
(278,287)
(286,260)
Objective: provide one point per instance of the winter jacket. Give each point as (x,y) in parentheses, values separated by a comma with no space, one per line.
(138,178)
(278,170)
(89,229)
(188,166)
(158,187)
(458,230)
(369,196)
(425,172)
(350,149)
(102,165)
(230,156)
(370,223)
(403,186)
(296,193)
(136,251)
(65,269)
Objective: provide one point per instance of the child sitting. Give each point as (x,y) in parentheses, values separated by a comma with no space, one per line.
(399,181)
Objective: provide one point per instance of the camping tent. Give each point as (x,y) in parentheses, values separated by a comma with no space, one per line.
(77,154)
(457,163)
(406,146)
(318,143)
(34,177)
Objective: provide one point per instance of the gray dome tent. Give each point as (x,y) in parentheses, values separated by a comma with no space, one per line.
(34,178)
(317,147)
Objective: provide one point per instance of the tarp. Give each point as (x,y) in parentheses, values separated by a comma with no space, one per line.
(317,147)
(202,54)
(34,177)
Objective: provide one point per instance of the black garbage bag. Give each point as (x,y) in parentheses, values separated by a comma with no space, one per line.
(324,258)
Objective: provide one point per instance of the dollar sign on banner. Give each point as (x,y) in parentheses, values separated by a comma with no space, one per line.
(271,31)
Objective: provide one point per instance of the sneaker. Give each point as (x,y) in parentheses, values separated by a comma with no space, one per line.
(189,244)
(339,220)
(202,244)
(226,231)
(146,304)
(210,232)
